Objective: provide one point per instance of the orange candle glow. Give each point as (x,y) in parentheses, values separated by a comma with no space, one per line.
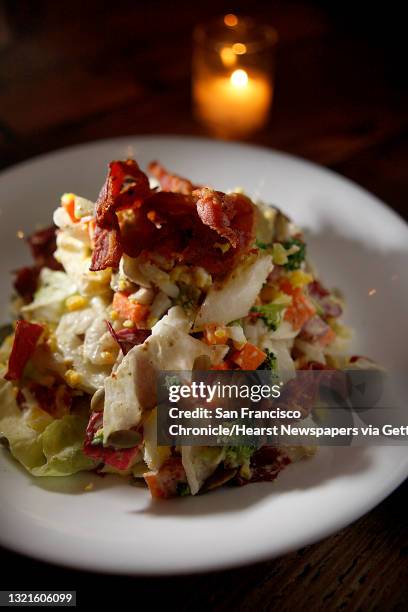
(238,104)
(232,76)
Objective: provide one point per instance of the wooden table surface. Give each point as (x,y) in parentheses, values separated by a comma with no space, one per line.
(77,71)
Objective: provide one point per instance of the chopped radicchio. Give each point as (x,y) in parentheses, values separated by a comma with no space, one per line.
(128,338)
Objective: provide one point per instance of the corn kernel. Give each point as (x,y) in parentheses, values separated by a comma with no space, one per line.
(128,323)
(219,333)
(89,486)
(298,278)
(108,357)
(75,302)
(66,198)
(73,378)
(114,315)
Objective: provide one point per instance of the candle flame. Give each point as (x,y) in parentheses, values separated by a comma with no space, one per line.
(231,20)
(239,78)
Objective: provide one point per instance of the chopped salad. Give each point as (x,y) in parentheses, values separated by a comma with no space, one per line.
(158,274)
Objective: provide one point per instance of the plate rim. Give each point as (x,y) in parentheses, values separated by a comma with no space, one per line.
(253,557)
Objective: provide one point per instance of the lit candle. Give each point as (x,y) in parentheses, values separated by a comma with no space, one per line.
(237,104)
(232,75)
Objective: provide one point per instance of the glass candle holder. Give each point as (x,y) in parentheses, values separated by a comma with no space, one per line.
(233,75)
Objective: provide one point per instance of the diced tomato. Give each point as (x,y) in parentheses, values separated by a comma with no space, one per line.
(215,334)
(26,337)
(163,483)
(68,203)
(121,459)
(128,309)
(249,357)
(300,311)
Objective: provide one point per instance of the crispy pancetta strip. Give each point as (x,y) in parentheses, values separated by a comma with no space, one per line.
(168,181)
(126,186)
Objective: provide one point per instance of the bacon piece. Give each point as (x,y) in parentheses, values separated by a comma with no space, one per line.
(184,233)
(107,249)
(51,400)
(323,298)
(25,340)
(314,328)
(128,338)
(25,282)
(230,215)
(163,223)
(43,245)
(206,228)
(121,459)
(168,181)
(266,464)
(126,185)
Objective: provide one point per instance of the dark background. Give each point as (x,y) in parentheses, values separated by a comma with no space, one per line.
(76,71)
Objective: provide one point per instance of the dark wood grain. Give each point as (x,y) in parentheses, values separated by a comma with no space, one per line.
(72,72)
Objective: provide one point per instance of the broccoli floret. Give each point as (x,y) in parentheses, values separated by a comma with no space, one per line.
(295,259)
(263,245)
(236,456)
(270,363)
(271,314)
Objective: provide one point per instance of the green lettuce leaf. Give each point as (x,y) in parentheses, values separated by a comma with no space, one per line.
(53,449)
(49,299)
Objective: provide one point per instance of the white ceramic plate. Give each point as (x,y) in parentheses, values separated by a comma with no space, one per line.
(358,243)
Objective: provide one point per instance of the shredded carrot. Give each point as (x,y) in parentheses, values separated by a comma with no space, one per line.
(300,311)
(249,357)
(68,202)
(130,310)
